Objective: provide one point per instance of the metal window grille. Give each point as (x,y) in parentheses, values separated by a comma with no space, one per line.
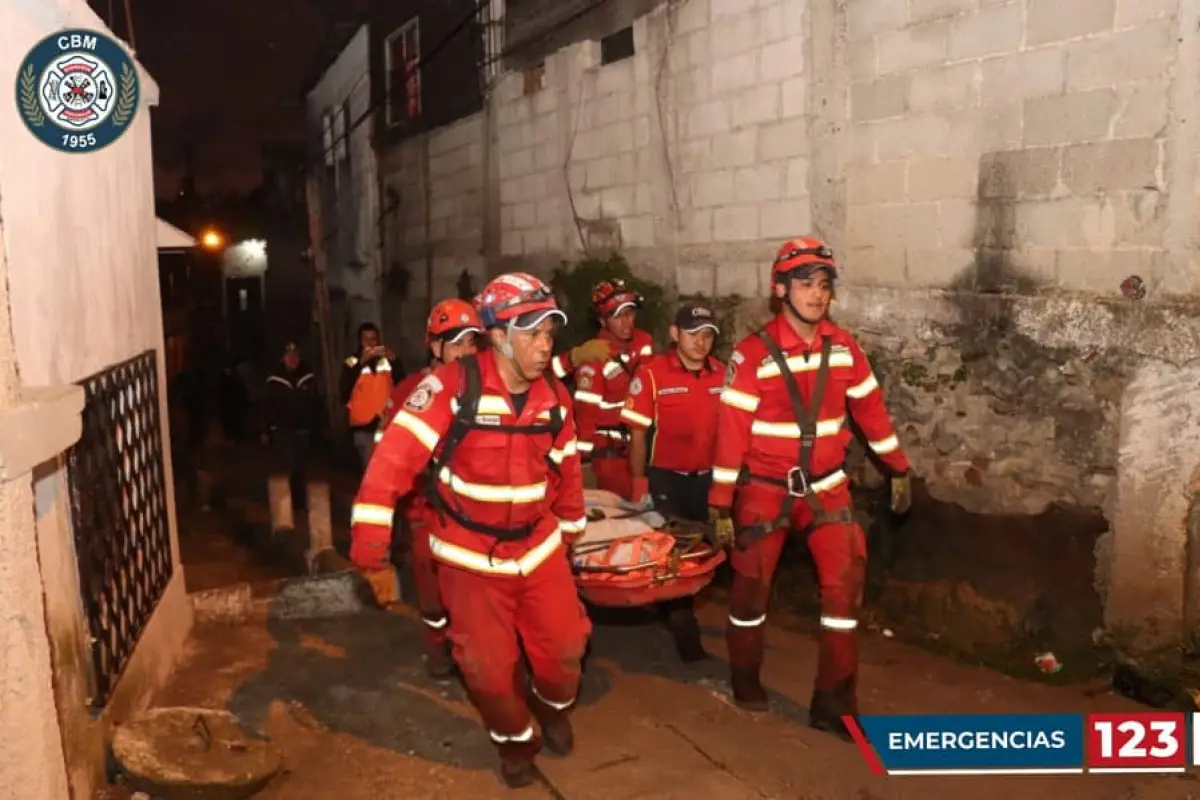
(119,514)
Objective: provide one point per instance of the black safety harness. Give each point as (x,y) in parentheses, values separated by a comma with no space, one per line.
(464,423)
(799,481)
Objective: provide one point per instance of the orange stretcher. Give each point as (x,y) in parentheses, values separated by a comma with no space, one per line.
(632,558)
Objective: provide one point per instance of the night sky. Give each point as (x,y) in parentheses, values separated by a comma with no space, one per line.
(230,72)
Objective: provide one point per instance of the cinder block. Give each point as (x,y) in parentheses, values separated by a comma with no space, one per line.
(1055,20)
(619,201)
(1021,75)
(1144,108)
(757,105)
(548,157)
(865,18)
(914,46)
(642,131)
(953,86)
(893,225)
(796,184)
(786,219)
(735,73)
(698,48)
(1102,270)
(1139,218)
(938,267)
(549,211)
(782,60)
(949,178)
(695,226)
(783,140)
(1019,174)
(1145,52)
(601,173)
(1000,126)
(524,215)
(710,189)
(1131,12)
(794,97)
(719,9)
(912,136)
(997,29)
(279,495)
(735,223)
(616,77)
(769,21)
(637,232)
(760,183)
(862,61)
(733,36)
(1067,223)
(877,183)
(691,15)
(1105,166)
(738,278)
(696,155)
(886,97)
(957,223)
(923,10)
(708,119)
(617,138)
(1074,117)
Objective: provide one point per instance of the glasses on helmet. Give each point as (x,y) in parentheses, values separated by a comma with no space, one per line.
(822,252)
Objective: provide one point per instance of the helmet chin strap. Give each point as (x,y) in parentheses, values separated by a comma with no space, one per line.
(506,349)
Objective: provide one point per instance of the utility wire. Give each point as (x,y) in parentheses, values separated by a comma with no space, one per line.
(425,58)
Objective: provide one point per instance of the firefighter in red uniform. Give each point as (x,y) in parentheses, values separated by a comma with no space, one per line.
(781,442)
(602,386)
(495,433)
(677,395)
(449,335)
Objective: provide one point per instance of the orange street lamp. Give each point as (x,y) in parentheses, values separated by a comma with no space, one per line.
(211,240)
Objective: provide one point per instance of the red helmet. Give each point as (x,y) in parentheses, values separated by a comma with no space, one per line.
(800,257)
(519,299)
(452,319)
(610,298)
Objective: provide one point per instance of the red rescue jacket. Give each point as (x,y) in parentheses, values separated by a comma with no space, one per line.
(681,405)
(494,478)
(600,391)
(757,431)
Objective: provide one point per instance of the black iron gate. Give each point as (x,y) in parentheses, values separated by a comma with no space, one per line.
(119,513)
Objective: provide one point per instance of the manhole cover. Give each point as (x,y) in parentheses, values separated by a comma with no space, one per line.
(193,754)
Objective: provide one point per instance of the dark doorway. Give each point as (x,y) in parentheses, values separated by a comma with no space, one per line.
(245,318)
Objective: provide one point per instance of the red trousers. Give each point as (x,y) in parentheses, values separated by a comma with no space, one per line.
(612,474)
(421,520)
(840,553)
(487,615)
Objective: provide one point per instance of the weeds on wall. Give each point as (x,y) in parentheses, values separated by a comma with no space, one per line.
(573,284)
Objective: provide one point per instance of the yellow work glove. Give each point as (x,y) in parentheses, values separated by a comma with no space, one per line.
(901,494)
(589,351)
(722,527)
(385,586)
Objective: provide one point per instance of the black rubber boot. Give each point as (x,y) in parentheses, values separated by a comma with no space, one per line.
(828,708)
(558,737)
(748,691)
(438,663)
(517,767)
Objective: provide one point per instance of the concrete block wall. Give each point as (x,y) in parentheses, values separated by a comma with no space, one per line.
(689,156)
(433,220)
(1022,142)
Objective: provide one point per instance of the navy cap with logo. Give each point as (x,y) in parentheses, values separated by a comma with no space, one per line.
(693,317)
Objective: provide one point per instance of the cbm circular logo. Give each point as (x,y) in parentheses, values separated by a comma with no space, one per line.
(77,91)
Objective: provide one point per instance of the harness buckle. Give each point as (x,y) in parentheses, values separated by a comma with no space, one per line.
(797,482)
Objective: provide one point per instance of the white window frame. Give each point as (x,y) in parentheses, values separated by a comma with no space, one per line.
(327,138)
(413,25)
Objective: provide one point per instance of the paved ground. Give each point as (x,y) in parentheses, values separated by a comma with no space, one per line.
(347,701)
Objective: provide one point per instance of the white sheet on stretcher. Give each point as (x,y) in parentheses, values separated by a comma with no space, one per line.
(618,523)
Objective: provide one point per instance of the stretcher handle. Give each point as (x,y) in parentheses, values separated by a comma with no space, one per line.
(625,569)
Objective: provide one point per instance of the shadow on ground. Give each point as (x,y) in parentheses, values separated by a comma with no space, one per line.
(363,676)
